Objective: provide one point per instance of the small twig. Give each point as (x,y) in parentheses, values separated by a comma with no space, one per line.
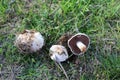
(12,74)
(19,68)
(8,72)
(54,11)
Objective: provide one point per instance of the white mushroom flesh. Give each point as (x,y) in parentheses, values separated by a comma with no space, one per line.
(58,53)
(81,46)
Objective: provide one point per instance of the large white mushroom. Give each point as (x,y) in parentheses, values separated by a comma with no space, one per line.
(29,41)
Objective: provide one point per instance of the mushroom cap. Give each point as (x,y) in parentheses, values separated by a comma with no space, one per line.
(29,41)
(83,40)
(58,53)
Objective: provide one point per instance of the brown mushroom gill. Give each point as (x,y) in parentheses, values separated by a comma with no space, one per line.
(84,39)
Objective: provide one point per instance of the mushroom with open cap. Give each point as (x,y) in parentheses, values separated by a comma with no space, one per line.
(29,41)
(79,43)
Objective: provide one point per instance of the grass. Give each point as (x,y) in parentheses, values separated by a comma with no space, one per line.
(99,19)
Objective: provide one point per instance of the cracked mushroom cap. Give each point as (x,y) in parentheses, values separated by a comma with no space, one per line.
(79,43)
(29,41)
(58,53)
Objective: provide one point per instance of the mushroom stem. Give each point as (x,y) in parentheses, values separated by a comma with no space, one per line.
(63,70)
(56,63)
(81,46)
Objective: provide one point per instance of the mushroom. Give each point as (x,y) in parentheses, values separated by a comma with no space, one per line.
(29,41)
(59,52)
(67,45)
(79,43)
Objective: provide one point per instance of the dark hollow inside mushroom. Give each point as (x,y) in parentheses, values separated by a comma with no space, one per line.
(72,43)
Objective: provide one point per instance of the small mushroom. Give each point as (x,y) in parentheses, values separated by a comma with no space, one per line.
(29,41)
(59,52)
(79,43)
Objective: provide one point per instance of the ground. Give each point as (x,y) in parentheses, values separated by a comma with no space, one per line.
(99,19)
